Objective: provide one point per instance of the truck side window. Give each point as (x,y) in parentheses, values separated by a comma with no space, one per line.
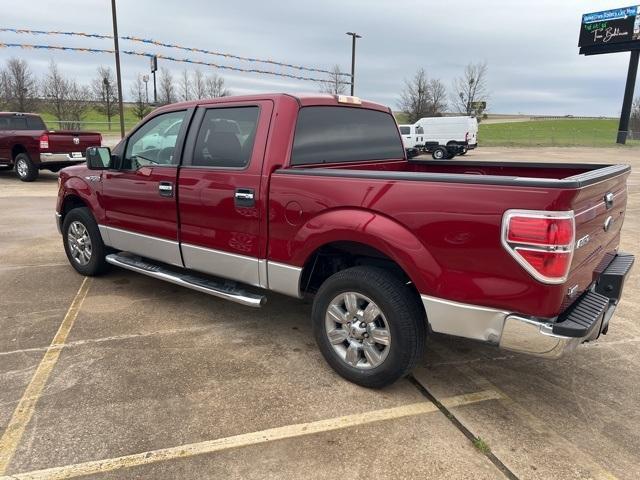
(226,137)
(405,130)
(18,123)
(4,123)
(154,143)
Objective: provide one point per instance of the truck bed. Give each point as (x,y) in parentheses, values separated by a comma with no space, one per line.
(561,175)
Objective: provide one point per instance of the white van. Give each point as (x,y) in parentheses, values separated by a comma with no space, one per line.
(412,135)
(461,132)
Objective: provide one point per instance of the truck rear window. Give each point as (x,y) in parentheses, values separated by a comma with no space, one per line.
(344,134)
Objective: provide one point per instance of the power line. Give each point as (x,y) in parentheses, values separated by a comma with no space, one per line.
(166,57)
(171,45)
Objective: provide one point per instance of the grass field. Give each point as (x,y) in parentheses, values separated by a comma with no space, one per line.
(95,121)
(563,132)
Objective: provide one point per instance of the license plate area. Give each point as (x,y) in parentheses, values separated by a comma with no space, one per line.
(76,154)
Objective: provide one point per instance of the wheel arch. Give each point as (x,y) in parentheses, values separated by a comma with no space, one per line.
(17,149)
(343,238)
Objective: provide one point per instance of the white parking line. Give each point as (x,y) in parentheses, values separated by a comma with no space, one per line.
(246,439)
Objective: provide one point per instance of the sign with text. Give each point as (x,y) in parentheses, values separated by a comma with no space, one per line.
(620,25)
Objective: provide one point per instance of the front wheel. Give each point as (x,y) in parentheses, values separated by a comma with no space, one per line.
(83,242)
(369,326)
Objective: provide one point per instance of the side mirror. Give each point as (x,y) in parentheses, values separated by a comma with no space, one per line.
(98,158)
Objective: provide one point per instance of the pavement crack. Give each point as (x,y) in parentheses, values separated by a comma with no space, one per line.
(464,430)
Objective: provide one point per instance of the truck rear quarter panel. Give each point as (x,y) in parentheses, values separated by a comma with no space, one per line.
(446,236)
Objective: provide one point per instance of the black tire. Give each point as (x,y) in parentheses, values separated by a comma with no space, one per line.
(25,168)
(440,153)
(401,311)
(96,263)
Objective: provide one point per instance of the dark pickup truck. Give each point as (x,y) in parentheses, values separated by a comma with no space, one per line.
(27,146)
(313,196)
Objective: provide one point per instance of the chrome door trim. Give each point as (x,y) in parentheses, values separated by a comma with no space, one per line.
(222,264)
(166,251)
(283,278)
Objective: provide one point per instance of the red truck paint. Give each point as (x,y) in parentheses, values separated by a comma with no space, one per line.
(26,133)
(439,222)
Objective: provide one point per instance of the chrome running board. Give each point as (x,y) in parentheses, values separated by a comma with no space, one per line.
(218,288)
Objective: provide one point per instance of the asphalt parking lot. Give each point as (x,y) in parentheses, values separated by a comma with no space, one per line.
(124,376)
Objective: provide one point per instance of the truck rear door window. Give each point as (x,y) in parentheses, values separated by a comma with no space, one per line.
(18,123)
(225,138)
(344,134)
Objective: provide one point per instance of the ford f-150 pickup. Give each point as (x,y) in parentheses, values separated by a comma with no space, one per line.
(313,196)
(27,146)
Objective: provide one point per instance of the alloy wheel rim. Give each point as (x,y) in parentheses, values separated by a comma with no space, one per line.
(357,330)
(79,243)
(22,168)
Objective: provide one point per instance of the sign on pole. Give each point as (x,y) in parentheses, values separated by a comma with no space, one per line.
(610,31)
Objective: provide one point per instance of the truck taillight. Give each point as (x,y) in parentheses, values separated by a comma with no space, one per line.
(542,242)
(100,138)
(44,141)
(466,137)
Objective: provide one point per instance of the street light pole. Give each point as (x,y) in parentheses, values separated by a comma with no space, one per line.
(118,76)
(145,79)
(353,59)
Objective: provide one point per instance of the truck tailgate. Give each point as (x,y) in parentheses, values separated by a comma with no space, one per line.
(599,211)
(65,141)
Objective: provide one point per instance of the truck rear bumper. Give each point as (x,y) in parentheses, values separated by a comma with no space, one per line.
(59,160)
(584,320)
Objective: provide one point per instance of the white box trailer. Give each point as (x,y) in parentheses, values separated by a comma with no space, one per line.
(445,137)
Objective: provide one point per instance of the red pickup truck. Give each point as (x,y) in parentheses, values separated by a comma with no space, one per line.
(27,145)
(312,196)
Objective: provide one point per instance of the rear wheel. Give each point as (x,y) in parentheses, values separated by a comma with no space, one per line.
(440,153)
(25,168)
(83,242)
(369,326)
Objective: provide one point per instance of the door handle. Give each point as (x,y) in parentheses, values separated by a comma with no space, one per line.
(165,189)
(244,197)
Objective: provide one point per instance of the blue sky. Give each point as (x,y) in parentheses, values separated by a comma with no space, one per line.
(529,46)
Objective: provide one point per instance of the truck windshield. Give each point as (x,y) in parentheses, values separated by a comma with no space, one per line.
(344,134)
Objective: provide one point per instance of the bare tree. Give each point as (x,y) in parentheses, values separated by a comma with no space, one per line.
(166,89)
(105,94)
(215,86)
(19,88)
(4,90)
(140,106)
(336,82)
(65,99)
(185,86)
(199,89)
(422,97)
(634,123)
(470,91)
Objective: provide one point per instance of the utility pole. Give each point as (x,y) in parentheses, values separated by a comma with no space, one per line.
(118,76)
(154,67)
(623,128)
(353,59)
(105,83)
